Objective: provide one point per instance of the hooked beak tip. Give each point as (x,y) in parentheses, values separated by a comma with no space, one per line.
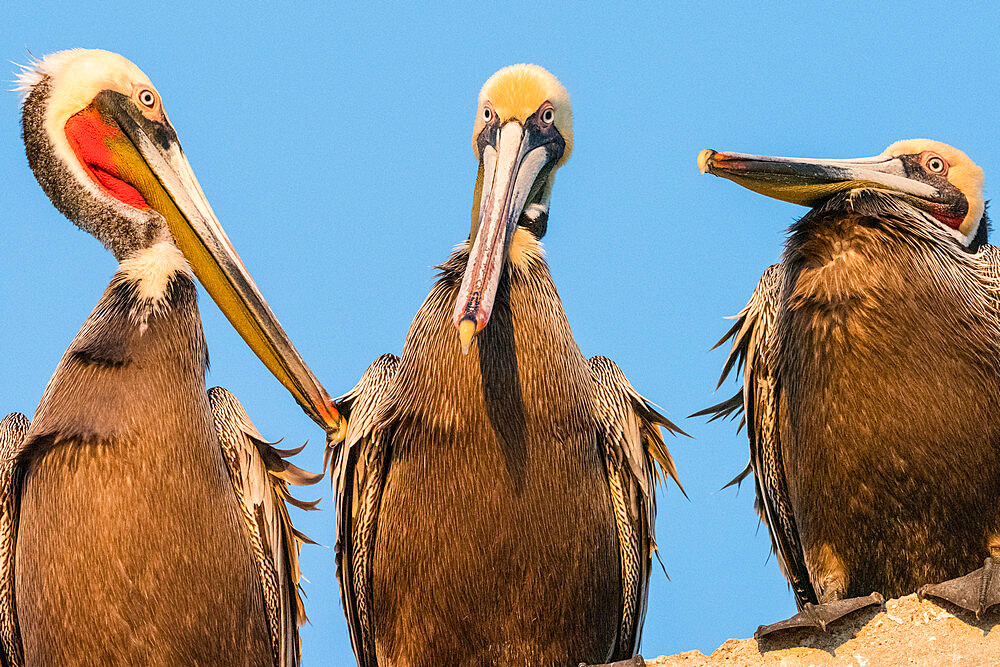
(466,331)
(705,160)
(338,432)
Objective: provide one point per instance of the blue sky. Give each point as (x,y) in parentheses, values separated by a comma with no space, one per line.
(334,145)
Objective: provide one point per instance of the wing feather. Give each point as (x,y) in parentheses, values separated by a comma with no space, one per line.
(13,428)
(357,476)
(260,477)
(637,457)
(987,265)
(755,352)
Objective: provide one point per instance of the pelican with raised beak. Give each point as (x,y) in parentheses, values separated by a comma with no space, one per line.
(495,493)
(143,518)
(871,376)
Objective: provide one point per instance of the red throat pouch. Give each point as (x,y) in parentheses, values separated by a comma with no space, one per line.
(950,220)
(88,136)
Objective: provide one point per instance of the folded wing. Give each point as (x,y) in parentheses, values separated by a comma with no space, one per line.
(359,467)
(13,428)
(260,476)
(755,351)
(629,429)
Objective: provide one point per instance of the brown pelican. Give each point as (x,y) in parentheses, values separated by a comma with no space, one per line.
(143,519)
(495,491)
(871,376)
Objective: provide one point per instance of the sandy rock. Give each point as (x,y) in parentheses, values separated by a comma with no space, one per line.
(906,632)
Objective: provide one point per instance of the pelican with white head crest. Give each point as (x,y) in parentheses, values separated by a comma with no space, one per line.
(149,514)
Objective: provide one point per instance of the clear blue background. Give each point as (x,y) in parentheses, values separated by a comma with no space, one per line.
(334,144)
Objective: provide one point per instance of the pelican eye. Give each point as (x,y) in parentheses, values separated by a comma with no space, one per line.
(487,114)
(147,98)
(548,115)
(935,164)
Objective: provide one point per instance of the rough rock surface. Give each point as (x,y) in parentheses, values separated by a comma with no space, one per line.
(906,632)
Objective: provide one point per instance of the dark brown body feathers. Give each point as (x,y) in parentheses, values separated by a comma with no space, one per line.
(892,378)
(490,536)
(143,519)
(872,376)
(130,548)
(495,488)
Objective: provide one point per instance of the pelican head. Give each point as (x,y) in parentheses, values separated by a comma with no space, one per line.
(523,133)
(101,146)
(940,182)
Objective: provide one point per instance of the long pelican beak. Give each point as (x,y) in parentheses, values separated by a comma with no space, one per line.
(808,182)
(152,157)
(513,159)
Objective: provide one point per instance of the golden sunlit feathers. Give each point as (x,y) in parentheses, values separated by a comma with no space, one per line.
(525,248)
(516,92)
(963,173)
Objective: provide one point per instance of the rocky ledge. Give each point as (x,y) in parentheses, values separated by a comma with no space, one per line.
(905,632)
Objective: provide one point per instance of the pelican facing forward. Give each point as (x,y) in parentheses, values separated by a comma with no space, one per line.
(495,490)
(143,518)
(871,377)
